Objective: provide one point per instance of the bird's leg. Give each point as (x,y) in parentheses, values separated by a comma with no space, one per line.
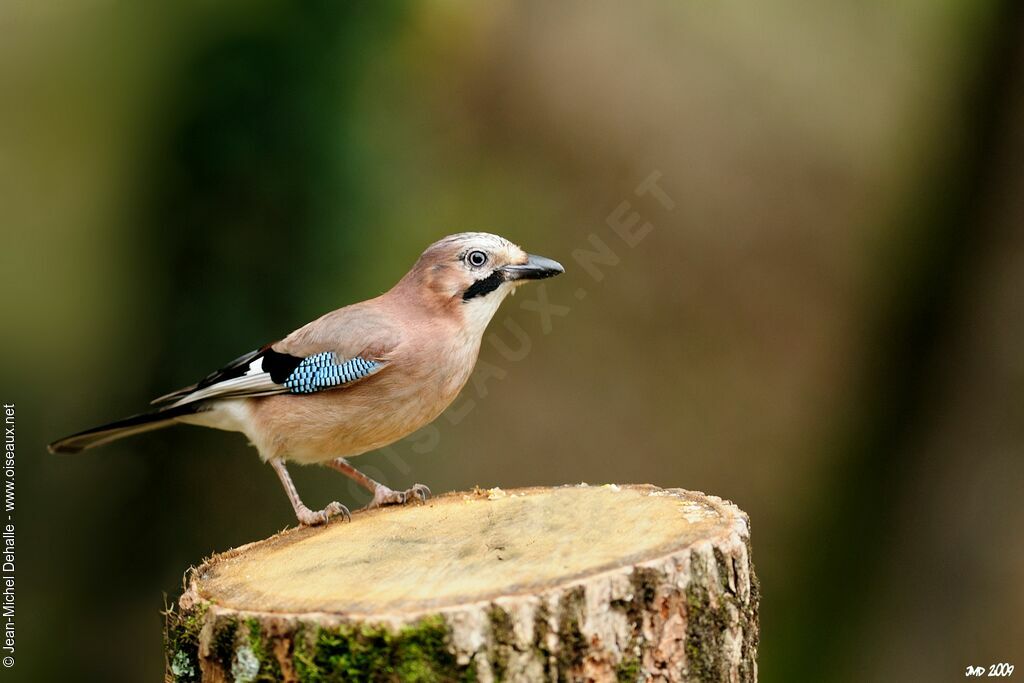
(306,516)
(382,495)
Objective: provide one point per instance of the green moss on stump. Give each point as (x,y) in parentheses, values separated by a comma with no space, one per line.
(573,644)
(417,654)
(708,619)
(628,670)
(257,641)
(222,649)
(502,641)
(181,643)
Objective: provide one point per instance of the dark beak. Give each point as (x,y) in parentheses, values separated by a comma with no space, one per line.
(535,268)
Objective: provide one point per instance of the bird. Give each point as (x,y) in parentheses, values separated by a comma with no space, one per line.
(355,379)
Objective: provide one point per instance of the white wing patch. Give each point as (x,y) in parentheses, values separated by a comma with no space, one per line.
(258,384)
(319,372)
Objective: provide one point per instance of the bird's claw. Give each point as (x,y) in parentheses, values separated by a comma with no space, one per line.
(383,495)
(419,491)
(308,517)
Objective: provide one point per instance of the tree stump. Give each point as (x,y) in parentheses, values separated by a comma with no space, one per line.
(599,583)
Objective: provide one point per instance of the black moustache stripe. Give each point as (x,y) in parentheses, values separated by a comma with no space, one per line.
(484,286)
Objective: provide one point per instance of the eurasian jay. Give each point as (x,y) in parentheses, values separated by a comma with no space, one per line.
(355,379)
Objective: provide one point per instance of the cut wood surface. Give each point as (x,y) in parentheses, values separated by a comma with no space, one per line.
(571,583)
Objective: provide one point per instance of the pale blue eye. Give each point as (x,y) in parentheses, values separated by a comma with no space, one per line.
(476,258)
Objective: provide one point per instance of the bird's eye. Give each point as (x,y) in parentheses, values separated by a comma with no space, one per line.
(476,258)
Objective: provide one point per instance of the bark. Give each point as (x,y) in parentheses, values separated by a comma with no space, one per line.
(629,583)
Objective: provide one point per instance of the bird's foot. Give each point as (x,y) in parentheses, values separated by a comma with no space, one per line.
(308,517)
(382,496)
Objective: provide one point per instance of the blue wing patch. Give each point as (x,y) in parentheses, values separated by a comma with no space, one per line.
(323,371)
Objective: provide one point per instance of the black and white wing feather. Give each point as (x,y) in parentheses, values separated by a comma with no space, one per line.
(259,373)
(265,372)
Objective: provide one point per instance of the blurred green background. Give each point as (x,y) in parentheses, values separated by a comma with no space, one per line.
(827,328)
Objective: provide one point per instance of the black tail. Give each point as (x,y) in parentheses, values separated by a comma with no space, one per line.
(136,424)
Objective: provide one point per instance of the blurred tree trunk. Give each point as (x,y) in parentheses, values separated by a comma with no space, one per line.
(929,271)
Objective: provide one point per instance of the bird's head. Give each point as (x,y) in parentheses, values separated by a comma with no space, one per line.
(472,272)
